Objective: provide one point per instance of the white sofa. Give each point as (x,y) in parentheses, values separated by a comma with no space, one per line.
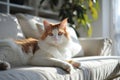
(97,63)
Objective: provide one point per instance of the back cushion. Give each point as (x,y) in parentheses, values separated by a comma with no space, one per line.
(9,27)
(28,25)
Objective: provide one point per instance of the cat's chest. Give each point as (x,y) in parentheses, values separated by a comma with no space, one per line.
(65,51)
(60,51)
(56,51)
(55,48)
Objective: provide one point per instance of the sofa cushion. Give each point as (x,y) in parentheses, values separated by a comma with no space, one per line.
(28,24)
(94,69)
(29,27)
(99,67)
(9,27)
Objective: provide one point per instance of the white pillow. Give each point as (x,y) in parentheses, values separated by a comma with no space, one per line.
(9,27)
(29,27)
(76,42)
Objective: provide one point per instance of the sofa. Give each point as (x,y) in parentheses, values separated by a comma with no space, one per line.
(96,63)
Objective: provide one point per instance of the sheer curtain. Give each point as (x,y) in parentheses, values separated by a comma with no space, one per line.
(116,26)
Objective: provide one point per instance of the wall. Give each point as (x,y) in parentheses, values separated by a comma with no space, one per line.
(97,24)
(101,26)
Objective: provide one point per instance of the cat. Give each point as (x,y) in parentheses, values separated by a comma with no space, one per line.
(53,48)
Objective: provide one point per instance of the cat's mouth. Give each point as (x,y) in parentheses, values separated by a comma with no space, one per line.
(55,39)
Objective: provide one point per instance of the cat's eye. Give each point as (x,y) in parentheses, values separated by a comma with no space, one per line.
(50,34)
(60,33)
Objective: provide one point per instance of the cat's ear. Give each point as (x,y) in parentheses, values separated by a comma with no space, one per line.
(63,23)
(46,24)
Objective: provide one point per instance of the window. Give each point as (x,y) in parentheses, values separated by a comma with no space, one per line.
(116,26)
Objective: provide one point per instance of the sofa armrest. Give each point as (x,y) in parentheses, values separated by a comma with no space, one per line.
(96,46)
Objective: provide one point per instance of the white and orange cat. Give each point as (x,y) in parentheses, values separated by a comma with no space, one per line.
(54,48)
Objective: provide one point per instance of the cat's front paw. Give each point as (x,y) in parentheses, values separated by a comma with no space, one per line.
(4,65)
(74,63)
(69,68)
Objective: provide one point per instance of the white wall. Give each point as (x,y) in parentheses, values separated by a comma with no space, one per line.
(102,24)
(101,27)
(97,24)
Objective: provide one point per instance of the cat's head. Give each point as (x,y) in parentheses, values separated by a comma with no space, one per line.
(55,33)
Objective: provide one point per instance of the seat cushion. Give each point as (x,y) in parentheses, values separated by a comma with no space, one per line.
(100,69)
(39,73)
(92,69)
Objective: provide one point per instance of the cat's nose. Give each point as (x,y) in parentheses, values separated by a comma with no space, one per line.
(55,38)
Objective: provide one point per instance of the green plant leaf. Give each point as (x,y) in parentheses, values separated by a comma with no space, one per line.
(94,13)
(90,3)
(89,31)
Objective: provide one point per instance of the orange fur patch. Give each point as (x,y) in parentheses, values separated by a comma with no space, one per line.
(27,44)
(74,63)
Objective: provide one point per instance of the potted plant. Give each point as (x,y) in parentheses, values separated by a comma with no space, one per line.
(80,13)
